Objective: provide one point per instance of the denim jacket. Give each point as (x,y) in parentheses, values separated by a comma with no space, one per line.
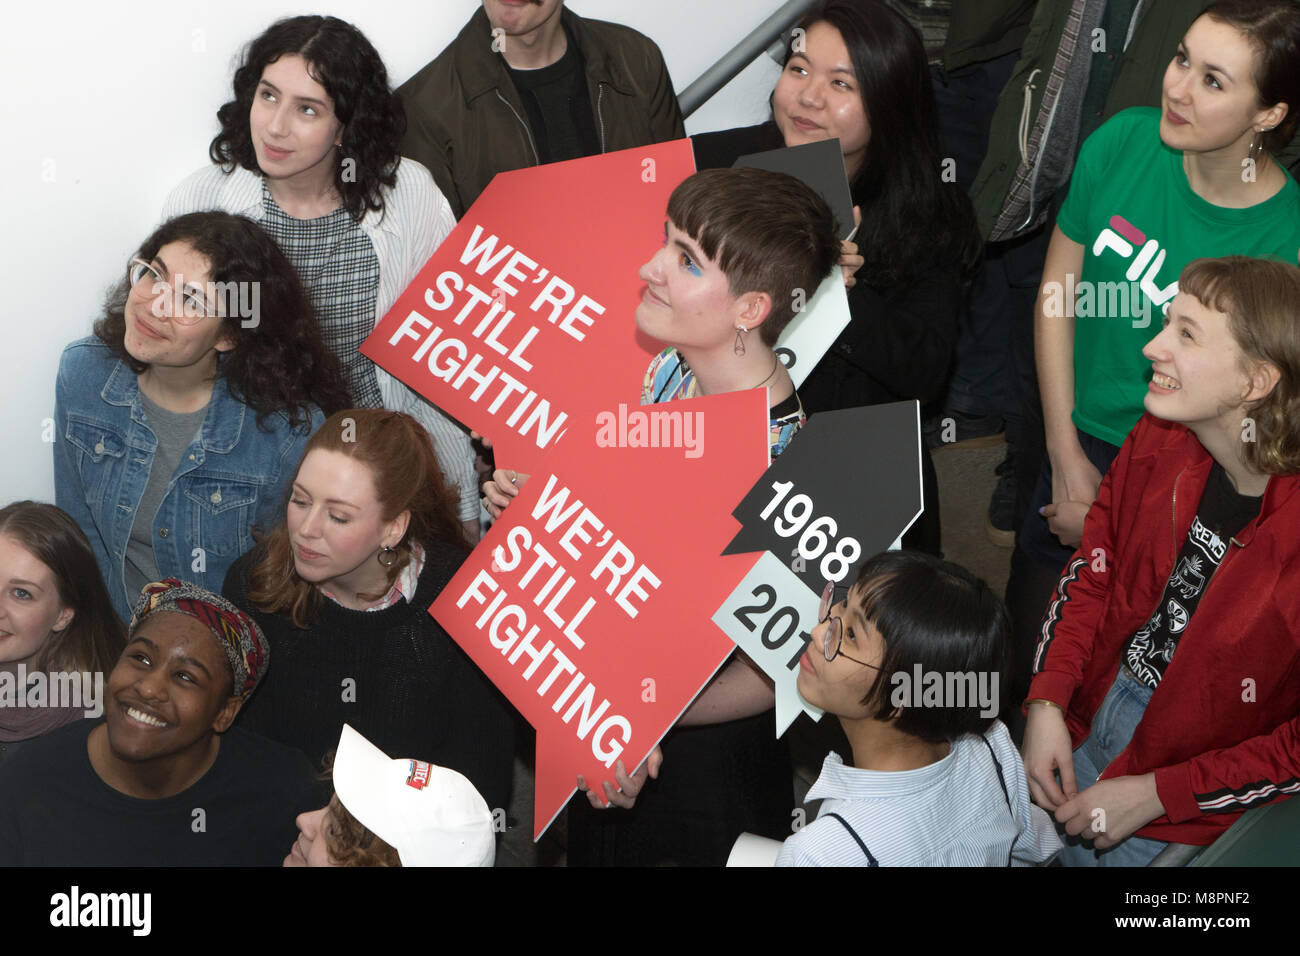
(230,479)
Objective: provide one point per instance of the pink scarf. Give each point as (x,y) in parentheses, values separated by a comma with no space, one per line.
(24,723)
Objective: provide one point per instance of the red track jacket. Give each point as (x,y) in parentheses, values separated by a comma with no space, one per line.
(1222,730)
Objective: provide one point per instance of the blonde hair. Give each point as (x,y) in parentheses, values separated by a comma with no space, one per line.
(1261,299)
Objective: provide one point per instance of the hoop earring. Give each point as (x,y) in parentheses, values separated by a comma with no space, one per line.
(389,553)
(1256,149)
(739,347)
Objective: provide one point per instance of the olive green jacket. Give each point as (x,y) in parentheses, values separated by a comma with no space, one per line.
(466,122)
(980,30)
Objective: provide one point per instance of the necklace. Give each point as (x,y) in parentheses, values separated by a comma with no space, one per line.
(775,362)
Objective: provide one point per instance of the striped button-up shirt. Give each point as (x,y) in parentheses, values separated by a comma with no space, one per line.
(950,813)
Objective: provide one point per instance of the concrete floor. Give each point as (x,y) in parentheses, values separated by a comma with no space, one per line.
(966,482)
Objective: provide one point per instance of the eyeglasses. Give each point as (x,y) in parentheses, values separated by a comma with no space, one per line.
(835,632)
(189,307)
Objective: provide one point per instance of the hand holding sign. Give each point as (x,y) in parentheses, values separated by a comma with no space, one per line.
(851,259)
(500,489)
(624,791)
(588,603)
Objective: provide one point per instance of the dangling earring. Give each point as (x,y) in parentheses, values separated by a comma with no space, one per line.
(387,556)
(1256,150)
(739,347)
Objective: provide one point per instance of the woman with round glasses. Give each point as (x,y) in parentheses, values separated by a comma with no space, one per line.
(182,418)
(935,779)
(308,148)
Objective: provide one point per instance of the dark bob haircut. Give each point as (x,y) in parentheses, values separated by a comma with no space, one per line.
(279,362)
(912,220)
(768,232)
(342,60)
(937,615)
(1272,27)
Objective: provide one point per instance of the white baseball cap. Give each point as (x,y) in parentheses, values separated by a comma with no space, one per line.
(430,815)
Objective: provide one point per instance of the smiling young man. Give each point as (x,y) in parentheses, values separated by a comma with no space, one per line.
(528,82)
(163,780)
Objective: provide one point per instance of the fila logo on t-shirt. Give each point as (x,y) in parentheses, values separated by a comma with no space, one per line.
(419,775)
(1124,238)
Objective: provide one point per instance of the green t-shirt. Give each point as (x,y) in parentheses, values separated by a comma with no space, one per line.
(1131,208)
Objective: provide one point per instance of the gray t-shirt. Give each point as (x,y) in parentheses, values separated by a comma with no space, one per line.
(174,433)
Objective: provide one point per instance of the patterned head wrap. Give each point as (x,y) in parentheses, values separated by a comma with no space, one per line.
(238,634)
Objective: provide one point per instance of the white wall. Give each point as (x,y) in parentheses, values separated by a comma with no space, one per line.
(107,106)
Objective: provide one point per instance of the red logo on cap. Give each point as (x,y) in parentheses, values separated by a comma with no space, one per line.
(419,775)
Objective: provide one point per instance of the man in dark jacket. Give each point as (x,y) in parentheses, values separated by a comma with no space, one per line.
(528,82)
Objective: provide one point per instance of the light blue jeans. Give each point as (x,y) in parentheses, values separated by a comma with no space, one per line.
(1112,729)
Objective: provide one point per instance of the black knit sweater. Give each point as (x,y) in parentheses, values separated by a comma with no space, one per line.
(395,675)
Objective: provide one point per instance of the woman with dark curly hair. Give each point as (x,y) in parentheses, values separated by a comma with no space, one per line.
(309,149)
(180,420)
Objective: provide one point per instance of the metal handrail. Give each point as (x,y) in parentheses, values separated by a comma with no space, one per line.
(762,38)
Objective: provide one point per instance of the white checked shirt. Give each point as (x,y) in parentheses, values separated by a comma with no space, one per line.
(950,813)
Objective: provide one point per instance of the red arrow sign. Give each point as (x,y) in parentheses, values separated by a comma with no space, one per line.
(522,322)
(589,603)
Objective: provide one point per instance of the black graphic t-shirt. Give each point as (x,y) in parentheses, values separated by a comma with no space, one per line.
(1221,514)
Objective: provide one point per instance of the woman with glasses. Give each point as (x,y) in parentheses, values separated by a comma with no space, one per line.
(911,661)
(181,419)
(308,148)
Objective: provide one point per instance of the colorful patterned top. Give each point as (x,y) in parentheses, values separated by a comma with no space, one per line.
(669,378)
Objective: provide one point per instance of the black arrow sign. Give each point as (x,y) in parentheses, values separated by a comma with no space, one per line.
(846,487)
